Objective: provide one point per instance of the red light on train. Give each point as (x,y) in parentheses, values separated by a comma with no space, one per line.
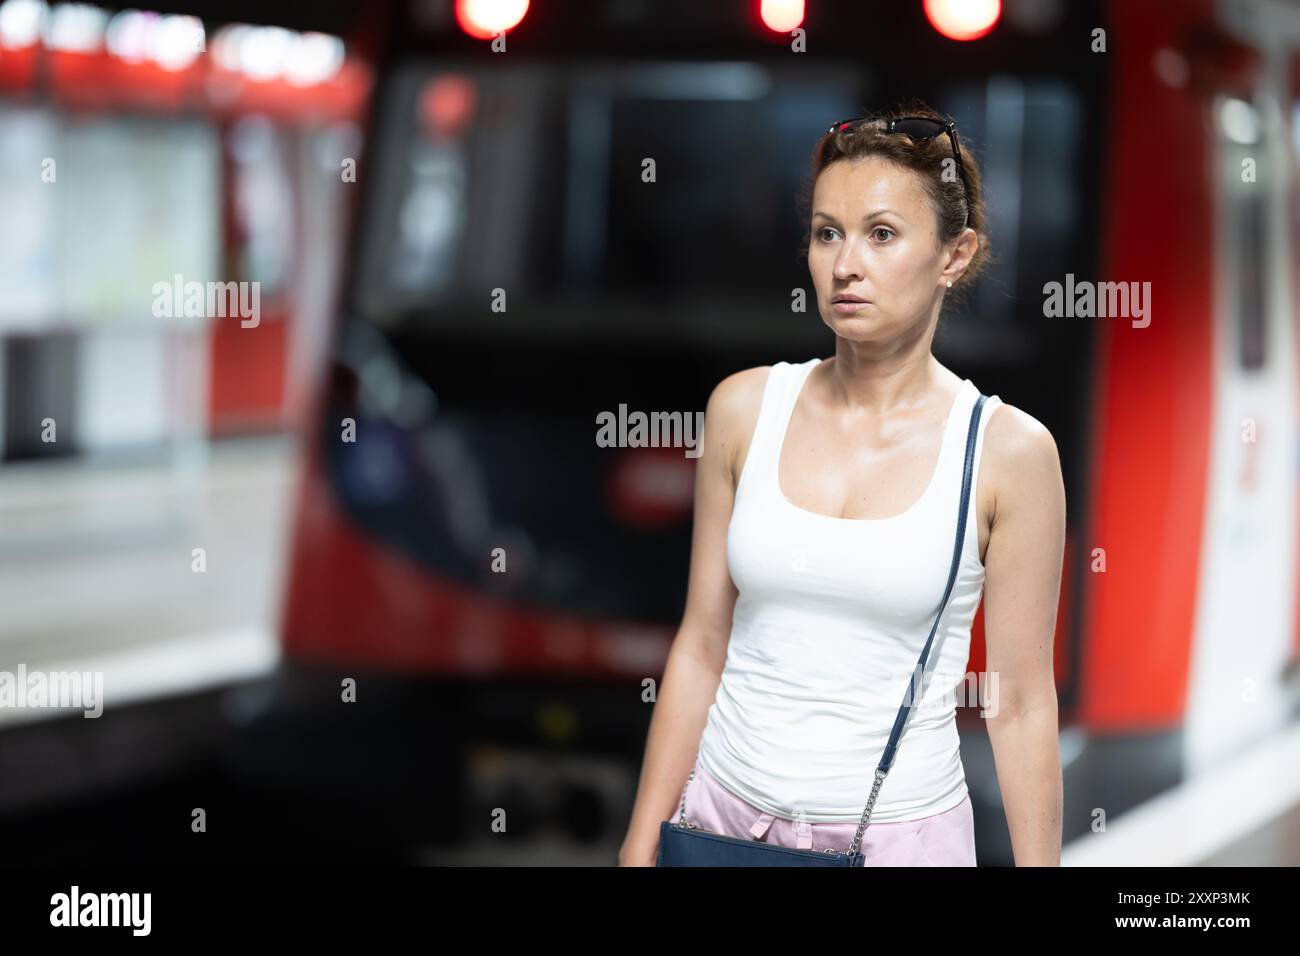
(781,16)
(963,19)
(484,19)
(447,104)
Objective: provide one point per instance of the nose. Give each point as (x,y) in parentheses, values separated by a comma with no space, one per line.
(848,261)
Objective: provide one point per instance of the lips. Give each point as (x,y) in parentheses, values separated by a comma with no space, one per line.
(847,298)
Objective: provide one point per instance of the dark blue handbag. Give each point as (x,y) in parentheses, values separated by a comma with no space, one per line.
(685,844)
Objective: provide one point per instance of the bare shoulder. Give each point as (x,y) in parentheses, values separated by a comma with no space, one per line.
(733,412)
(740,390)
(1021,457)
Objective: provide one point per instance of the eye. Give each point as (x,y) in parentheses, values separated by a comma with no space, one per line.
(882,229)
(822,233)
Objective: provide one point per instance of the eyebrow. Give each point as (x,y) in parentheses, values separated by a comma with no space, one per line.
(871,215)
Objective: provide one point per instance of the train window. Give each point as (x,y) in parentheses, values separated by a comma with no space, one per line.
(594,186)
(730,157)
(155,180)
(597,196)
(432,229)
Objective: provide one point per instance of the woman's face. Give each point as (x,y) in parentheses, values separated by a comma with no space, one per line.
(875,239)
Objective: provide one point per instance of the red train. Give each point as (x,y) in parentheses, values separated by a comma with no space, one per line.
(1154,142)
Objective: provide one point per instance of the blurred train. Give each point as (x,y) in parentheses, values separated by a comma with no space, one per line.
(511,275)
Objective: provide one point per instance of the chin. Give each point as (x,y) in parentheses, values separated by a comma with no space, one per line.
(852,321)
(855,328)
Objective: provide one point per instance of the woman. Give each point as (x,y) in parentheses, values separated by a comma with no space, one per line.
(826,508)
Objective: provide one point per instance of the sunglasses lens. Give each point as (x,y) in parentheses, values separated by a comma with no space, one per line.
(919,128)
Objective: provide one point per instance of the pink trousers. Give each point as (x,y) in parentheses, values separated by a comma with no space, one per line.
(945,839)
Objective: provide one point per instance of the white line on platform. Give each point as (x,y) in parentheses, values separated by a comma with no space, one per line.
(163,668)
(1196,819)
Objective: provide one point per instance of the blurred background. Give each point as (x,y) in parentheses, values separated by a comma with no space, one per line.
(273,532)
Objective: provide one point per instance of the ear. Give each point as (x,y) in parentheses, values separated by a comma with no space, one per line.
(958,255)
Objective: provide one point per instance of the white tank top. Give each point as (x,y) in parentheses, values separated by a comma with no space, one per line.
(830,621)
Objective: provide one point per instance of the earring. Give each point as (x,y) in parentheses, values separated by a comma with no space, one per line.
(949,283)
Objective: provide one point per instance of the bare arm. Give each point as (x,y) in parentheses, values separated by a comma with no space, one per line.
(699,651)
(1021,594)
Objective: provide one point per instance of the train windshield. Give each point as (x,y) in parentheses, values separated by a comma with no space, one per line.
(541,241)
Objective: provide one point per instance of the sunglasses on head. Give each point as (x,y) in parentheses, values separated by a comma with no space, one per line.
(920,129)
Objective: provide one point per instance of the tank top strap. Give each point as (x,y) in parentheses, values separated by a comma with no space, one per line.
(960,420)
(784,381)
(961,412)
(959,423)
(954,457)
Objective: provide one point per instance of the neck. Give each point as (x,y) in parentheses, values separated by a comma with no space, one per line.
(880,387)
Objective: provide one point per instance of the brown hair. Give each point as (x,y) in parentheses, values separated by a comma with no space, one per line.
(926,158)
